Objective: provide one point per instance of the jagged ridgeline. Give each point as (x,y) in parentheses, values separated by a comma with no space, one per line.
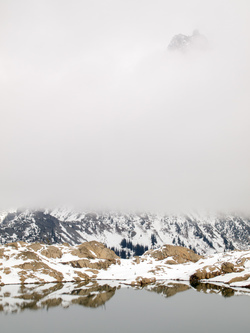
(127,234)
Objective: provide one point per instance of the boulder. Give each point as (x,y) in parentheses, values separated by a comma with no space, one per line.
(227,267)
(206,272)
(7,270)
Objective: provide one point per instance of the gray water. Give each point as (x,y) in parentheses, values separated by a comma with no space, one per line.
(168,307)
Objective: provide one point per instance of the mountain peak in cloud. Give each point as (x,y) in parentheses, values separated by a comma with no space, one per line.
(186,43)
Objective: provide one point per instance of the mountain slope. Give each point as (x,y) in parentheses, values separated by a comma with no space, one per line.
(127,233)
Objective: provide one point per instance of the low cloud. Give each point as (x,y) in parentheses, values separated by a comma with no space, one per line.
(96,113)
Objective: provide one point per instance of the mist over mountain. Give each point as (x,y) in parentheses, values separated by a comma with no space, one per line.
(97,114)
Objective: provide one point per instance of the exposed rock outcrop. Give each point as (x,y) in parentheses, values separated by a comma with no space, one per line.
(212,271)
(174,254)
(93,250)
(227,267)
(101,264)
(40,263)
(52,252)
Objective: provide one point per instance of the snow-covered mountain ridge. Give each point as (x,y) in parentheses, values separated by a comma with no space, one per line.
(127,233)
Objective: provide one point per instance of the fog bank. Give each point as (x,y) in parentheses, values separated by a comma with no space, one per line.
(96,113)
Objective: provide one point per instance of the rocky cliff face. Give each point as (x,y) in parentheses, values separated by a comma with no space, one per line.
(127,234)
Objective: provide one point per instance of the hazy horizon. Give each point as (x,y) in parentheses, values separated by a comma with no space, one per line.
(96,113)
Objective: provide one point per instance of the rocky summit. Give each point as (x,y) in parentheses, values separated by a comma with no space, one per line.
(184,43)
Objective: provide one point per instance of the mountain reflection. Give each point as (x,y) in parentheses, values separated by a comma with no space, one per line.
(17,298)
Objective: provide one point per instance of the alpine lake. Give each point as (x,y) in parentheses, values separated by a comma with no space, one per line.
(113,306)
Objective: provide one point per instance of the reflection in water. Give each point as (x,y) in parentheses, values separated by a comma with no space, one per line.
(167,289)
(209,288)
(16,298)
(94,296)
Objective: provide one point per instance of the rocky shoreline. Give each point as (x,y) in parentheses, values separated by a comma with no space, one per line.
(24,263)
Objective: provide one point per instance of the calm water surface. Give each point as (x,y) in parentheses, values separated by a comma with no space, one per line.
(165,307)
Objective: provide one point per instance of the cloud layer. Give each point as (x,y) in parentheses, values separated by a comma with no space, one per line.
(96,113)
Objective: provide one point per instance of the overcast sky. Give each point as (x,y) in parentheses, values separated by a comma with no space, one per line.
(96,113)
